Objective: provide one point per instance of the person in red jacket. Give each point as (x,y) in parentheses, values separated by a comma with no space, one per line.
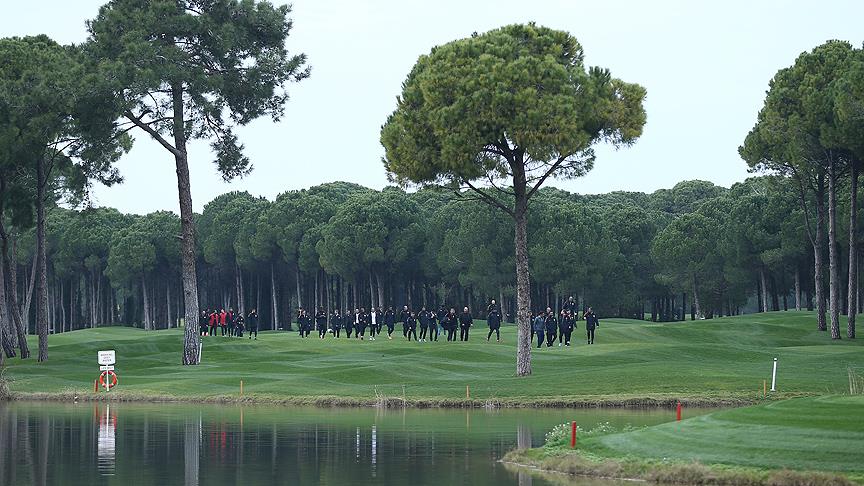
(214,321)
(222,316)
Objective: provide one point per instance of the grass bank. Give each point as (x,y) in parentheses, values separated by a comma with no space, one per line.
(778,444)
(634,363)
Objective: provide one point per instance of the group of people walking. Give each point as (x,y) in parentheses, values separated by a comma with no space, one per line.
(376,321)
(230,324)
(442,322)
(548,327)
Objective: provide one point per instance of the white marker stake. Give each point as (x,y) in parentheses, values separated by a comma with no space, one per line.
(774,376)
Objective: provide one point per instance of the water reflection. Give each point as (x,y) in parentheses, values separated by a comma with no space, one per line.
(192,450)
(46,444)
(106,444)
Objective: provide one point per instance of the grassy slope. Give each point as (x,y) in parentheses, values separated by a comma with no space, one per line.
(720,358)
(825,433)
(741,446)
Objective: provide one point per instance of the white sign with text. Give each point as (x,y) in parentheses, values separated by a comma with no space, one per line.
(107,357)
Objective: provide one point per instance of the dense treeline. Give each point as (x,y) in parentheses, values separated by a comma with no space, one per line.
(67,114)
(696,250)
(169,71)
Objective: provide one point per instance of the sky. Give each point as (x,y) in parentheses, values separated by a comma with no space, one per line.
(705,64)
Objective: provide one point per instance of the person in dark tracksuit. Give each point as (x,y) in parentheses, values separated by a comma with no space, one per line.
(402,318)
(465,322)
(452,323)
(253,323)
(424,323)
(305,323)
(202,322)
(239,325)
(433,325)
(442,319)
(571,305)
(390,321)
(539,328)
(551,325)
(229,319)
(411,326)
(321,323)
(492,306)
(361,323)
(565,327)
(350,322)
(591,323)
(494,322)
(336,323)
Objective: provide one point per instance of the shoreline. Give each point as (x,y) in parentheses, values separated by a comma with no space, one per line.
(575,465)
(326,401)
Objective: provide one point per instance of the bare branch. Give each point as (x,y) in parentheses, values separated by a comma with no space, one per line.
(489,199)
(153,133)
(547,174)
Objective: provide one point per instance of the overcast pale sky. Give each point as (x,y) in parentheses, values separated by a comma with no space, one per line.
(706,66)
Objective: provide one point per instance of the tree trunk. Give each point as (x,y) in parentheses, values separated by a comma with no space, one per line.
(775,301)
(168,304)
(7,341)
(371,291)
(297,278)
(315,306)
(274,297)
(191,337)
(381,291)
(763,284)
(523,279)
(683,305)
(797,288)
(42,278)
(18,319)
(819,260)
(329,281)
(63,308)
(241,295)
(852,303)
(145,301)
(833,256)
(696,303)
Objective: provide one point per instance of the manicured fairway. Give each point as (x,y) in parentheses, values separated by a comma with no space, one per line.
(824,434)
(713,360)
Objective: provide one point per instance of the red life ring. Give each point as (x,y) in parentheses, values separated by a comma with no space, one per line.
(113,378)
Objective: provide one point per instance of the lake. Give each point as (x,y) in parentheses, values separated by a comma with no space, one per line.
(207,444)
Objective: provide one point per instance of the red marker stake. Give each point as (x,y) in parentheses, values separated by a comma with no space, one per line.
(678,412)
(573,436)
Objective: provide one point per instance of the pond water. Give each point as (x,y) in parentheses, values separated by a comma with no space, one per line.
(161,444)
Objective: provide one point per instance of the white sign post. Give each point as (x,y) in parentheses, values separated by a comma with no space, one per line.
(774,376)
(107,359)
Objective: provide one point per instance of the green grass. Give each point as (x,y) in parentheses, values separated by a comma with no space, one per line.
(749,444)
(824,433)
(713,361)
